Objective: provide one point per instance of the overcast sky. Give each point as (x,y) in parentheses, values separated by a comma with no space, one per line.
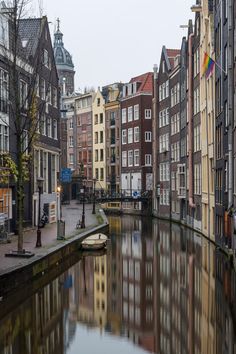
(113,41)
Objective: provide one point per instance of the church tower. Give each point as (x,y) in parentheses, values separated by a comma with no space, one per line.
(64,63)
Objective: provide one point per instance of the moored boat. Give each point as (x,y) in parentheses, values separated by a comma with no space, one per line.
(94,242)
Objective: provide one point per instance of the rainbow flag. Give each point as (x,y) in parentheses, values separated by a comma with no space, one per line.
(208,65)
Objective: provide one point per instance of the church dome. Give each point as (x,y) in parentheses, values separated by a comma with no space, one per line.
(62,56)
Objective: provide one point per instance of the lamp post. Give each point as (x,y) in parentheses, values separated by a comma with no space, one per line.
(60,222)
(83,212)
(94,182)
(40,187)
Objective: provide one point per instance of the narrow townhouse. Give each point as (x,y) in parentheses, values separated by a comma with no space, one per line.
(136,137)
(174,113)
(99,141)
(163,135)
(112,134)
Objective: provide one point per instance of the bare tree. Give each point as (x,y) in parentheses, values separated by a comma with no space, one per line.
(24,106)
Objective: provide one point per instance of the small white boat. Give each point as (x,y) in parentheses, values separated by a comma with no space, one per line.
(94,242)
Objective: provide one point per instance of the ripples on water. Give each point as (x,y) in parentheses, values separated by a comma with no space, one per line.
(160,288)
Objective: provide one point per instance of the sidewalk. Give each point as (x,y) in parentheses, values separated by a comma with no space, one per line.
(70,213)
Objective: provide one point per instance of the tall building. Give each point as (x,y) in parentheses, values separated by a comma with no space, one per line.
(136,136)
(223,123)
(46,149)
(99,140)
(165,102)
(83,141)
(207,108)
(112,122)
(64,63)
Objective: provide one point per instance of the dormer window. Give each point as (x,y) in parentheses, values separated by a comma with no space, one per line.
(163,67)
(129,89)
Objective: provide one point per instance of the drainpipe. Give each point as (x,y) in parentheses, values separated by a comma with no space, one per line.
(190,116)
(154,134)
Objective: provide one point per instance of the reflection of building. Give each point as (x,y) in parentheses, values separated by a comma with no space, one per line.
(100,291)
(114,278)
(137,282)
(85,278)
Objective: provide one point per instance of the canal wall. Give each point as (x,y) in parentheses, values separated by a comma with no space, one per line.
(39,265)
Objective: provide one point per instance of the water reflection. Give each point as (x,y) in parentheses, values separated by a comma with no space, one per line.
(160,288)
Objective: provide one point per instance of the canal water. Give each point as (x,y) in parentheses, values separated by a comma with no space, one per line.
(159,288)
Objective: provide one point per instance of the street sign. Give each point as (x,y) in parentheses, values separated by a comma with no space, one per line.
(136,194)
(66,175)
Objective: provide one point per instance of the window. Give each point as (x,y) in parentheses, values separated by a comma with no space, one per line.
(175,152)
(71,123)
(23,94)
(101,155)
(96,173)
(3,91)
(196,101)
(46,59)
(163,66)
(101,137)
(197,138)
(197,179)
(43,125)
(71,158)
(96,137)
(181,180)
(136,134)
(175,124)
(148,136)
(148,113)
(226,59)
(98,102)
(96,119)
(124,138)
(130,114)
(101,118)
(136,157)
(54,97)
(43,89)
(96,155)
(164,197)
(49,126)
(124,158)
(164,172)
(124,115)
(148,160)
(130,135)
(164,143)
(130,158)
(71,141)
(4,137)
(136,112)
(101,174)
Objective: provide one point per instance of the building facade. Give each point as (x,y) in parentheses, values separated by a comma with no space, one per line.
(112,133)
(136,135)
(99,140)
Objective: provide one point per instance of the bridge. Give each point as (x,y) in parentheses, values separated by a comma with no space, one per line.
(125,195)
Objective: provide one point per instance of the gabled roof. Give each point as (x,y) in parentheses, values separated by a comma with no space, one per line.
(170,55)
(146,82)
(30,32)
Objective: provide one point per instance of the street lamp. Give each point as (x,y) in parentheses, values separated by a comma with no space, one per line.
(40,181)
(94,182)
(83,212)
(60,222)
